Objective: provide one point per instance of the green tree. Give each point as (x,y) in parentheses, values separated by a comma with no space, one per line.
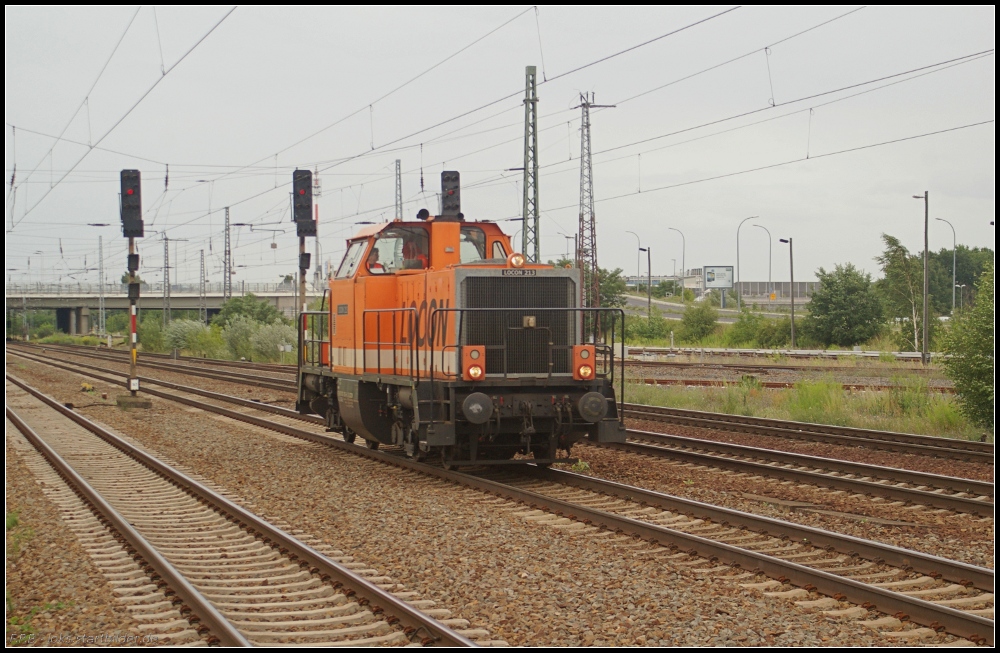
(970,342)
(902,290)
(249,306)
(612,294)
(969,266)
(845,310)
(699,321)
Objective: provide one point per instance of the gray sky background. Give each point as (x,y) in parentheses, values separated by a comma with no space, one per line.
(230,120)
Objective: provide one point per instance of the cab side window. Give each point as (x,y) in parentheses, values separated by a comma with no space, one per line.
(352,260)
(498,250)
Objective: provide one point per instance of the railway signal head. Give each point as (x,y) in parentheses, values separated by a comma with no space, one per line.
(131,204)
(451,201)
(302,203)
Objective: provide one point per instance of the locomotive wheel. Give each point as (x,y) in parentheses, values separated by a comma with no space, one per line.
(372,444)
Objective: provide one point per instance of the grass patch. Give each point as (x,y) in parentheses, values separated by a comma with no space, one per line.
(18,534)
(908,408)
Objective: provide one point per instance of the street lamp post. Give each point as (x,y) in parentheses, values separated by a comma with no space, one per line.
(962,293)
(649,279)
(924,350)
(770,286)
(683,261)
(954,259)
(739,277)
(791,271)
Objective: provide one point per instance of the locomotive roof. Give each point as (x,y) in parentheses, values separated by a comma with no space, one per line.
(374,229)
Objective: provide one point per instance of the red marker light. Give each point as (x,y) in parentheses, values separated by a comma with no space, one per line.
(451,192)
(302,191)
(130,191)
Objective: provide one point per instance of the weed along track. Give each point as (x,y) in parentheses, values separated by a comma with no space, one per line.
(238,579)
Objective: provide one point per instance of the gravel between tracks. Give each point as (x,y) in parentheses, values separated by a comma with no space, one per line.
(529,584)
(53,589)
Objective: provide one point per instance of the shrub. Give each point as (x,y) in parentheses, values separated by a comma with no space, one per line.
(268,338)
(237,334)
(744,331)
(208,343)
(180,333)
(151,335)
(698,322)
(845,310)
(652,327)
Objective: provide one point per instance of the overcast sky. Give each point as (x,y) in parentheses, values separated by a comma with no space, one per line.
(272,89)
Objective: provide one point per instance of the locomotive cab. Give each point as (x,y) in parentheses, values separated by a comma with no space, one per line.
(439,339)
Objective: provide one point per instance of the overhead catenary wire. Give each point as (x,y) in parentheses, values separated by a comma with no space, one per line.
(86,95)
(125,115)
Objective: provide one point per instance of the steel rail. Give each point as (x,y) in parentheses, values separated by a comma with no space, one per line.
(923,612)
(382,602)
(212,620)
(900,442)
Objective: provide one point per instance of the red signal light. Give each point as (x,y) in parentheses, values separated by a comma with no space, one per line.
(130,191)
(302,191)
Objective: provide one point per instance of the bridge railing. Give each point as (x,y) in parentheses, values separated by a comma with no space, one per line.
(119,289)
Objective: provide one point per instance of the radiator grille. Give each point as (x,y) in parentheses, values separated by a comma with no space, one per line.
(527,350)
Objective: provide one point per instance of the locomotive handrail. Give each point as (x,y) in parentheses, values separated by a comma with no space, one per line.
(411,345)
(435,318)
(307,344)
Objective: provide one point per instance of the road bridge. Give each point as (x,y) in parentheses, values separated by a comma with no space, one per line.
(77,304)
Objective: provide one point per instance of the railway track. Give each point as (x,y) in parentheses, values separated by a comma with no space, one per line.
(773,367)
(887,440)
(908,487)
(773,385)
(270,382)
(770,353)
(842,575)
(203,563)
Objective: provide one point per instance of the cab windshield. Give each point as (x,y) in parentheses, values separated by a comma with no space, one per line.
(403,248)
(471,244)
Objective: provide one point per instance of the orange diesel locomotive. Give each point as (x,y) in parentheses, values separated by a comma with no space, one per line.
(436,337)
